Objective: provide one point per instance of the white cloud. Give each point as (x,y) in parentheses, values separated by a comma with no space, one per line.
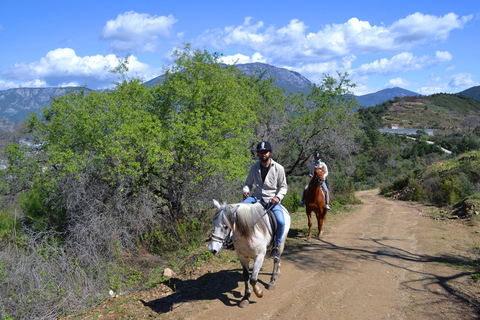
(36,83)
(292,43)
(431,88)
(314,71)
(62,66)
(421,27)
(241,59)
(399,82)
(451,68)
(462,81)
(7,85)
(451,84)
(133,31)
(403,62)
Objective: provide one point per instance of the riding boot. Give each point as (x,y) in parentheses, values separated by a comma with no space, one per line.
(274,254)
(301,203)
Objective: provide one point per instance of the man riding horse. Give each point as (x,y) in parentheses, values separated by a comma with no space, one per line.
(268,178)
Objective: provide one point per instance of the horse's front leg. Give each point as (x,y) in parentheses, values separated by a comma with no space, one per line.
(309,216)
(246,275)
(257,265)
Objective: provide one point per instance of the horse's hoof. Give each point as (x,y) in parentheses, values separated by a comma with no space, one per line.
(244,303)
(271,286)
(309,239)
(319,236)
(258,292)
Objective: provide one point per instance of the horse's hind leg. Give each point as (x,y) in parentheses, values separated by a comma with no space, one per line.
(246,275)
(276,268)
(275,275)
(321,218)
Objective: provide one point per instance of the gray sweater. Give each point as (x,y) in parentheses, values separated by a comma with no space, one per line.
(275,184)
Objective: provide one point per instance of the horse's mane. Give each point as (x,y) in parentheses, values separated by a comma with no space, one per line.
(249,216)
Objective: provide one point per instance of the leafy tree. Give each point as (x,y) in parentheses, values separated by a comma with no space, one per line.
(323,121)
(204,108)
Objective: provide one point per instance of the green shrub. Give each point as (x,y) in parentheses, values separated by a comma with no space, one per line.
(42,215)
(291,200)
(400,183)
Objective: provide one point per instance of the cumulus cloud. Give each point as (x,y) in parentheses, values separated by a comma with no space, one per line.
(62,66)
(293,43)
(399,82)
(37,83)
(421,27)
(314,71)
(454,83)
(132,31)
(462,81)
(403,62)
(241,59)
(7,85)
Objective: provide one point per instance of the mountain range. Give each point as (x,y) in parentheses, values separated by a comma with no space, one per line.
(17,103)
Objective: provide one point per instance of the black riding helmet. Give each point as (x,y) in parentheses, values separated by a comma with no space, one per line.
(317,155)
(264,145)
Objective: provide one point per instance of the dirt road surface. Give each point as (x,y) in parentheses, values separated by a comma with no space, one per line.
(383,259)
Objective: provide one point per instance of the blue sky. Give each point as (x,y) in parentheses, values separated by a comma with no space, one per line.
(423,46)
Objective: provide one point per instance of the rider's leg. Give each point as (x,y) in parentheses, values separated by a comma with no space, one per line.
(303,197)
(249,200)
(278,212)
(327,195)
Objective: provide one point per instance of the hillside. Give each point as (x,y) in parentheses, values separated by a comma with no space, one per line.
(290,81)
(17,103)
(445,113)
(372,99)
(473,92)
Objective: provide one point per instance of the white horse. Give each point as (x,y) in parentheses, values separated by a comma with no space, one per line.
(252,236)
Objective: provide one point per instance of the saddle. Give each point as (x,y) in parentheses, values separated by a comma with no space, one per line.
(273,221)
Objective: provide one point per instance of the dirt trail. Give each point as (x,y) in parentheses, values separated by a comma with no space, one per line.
(384,259)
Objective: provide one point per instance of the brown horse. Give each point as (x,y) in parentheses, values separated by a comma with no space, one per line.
(315,201)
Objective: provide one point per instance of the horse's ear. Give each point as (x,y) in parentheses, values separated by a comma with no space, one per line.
(216,204)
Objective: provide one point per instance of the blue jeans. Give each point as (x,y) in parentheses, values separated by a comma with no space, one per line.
(278,212)
(324,187)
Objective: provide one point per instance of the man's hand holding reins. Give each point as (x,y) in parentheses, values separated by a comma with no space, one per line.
(275,200)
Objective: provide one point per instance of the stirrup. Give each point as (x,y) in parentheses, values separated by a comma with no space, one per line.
(328,207)
(301,204)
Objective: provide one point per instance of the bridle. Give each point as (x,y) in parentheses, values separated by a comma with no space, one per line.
(222,240)
(316,178)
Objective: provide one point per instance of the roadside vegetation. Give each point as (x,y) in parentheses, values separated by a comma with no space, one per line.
(113,187)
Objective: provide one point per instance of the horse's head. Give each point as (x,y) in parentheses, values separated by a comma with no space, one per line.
(319,174)
(222,225)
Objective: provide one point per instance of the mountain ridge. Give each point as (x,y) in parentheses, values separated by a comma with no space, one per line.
(17,103)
